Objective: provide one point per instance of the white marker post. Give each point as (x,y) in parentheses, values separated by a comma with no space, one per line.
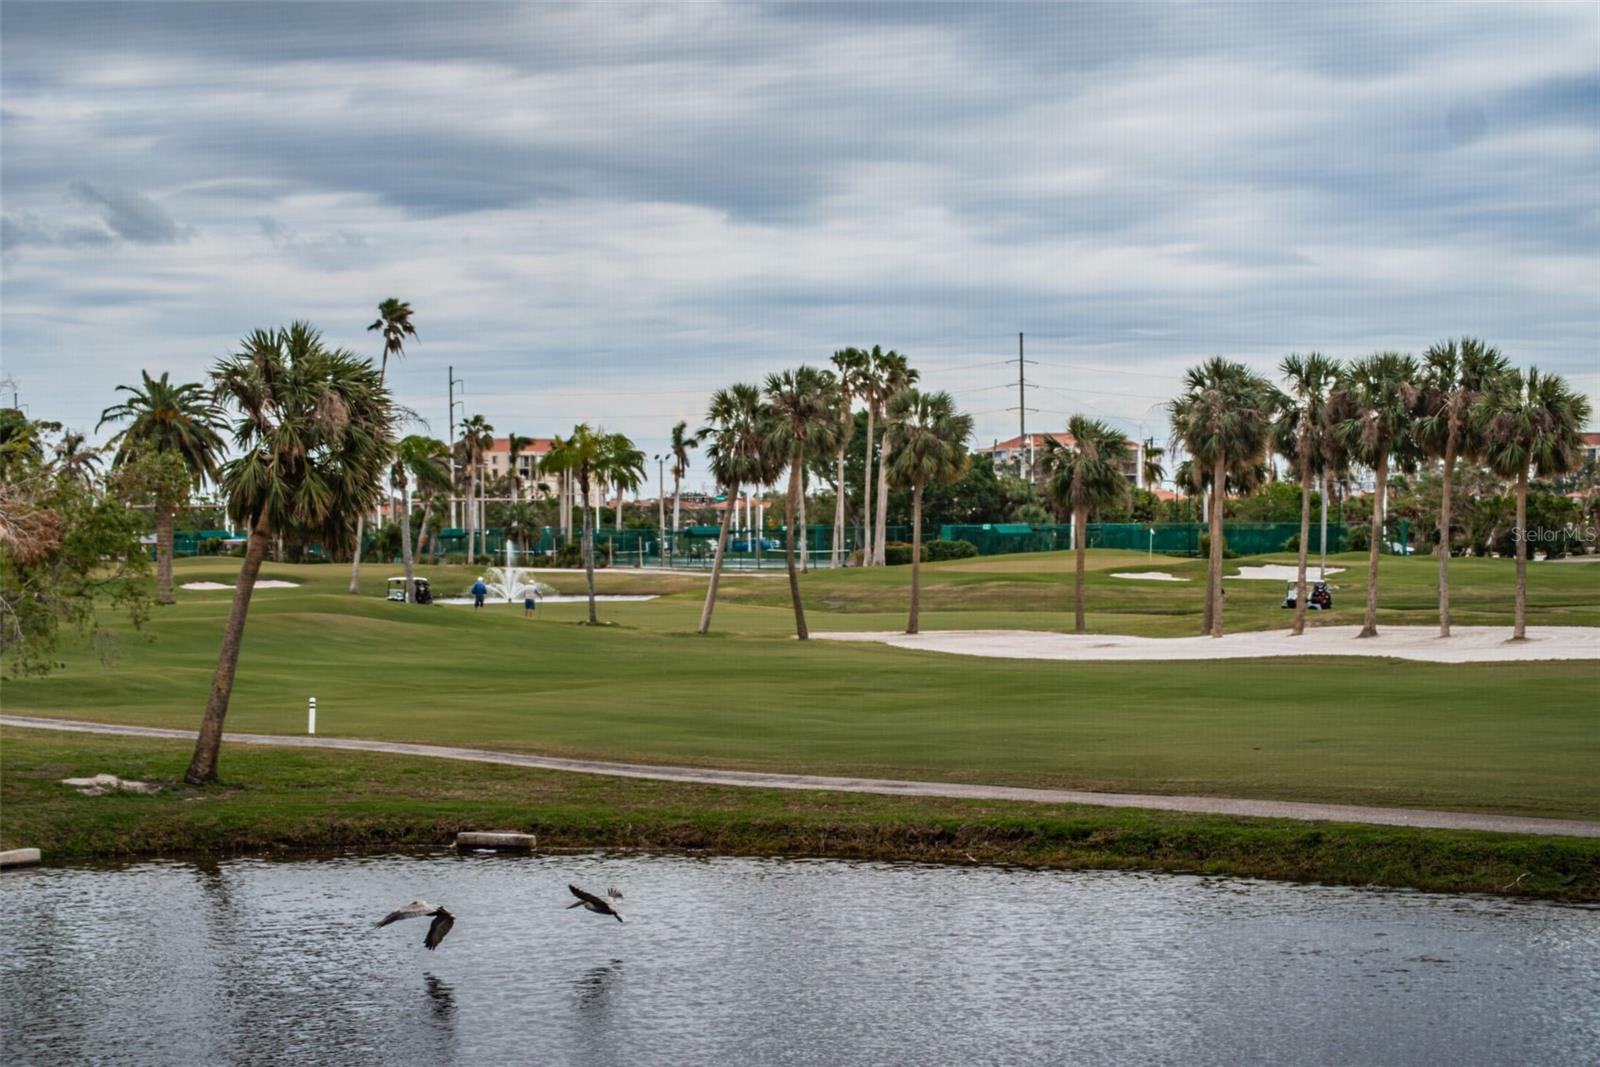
(311,717)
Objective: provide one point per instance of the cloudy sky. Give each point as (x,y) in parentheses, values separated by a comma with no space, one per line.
(602,212)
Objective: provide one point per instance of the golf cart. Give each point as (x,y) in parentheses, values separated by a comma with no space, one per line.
(421,594)
(1317,596)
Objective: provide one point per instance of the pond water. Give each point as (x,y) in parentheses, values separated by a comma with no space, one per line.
(742,961)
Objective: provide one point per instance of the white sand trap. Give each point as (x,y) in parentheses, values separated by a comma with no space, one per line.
(270,583)
(1281,572)
(1468,644)
(1149,576)
(558,598)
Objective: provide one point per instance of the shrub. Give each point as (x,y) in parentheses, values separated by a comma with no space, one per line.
(571,555)
(1205,548)
(898,553)
(934,551)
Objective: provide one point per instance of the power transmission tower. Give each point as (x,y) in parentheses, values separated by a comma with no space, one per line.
(1024,453)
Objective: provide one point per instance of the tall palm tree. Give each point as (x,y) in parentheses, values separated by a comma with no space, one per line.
(431,473)
(1455,374)
(476,437)
(164,416)
(869,387)
(588,455)
(1530,420)
(515,443)
(895,376)
(851,366)
(802,426)
(314,434)
(929,441)
(1150,456)
(682,441)
(394,319)
(415,457)
(623,470)
(1373,407)
(1083,475)
(77,458)
(1223,419)
(738,432)
(1301,436)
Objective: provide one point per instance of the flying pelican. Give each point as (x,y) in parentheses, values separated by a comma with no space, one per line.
(599,905)
(442,920)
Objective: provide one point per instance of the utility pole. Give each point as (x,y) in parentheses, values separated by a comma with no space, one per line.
(1024,453)
(455,515)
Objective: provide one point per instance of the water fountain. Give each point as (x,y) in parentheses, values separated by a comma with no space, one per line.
(513,583)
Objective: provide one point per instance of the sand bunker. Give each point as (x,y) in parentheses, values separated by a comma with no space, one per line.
(1468,644)
(269,583)
(1281,572)
(1150,576)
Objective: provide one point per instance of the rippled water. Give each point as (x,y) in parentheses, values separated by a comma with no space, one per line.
(780,962)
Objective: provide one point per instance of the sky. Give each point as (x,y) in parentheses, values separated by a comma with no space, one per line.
(604,212)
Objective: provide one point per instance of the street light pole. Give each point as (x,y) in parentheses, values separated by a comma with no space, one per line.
(661,506)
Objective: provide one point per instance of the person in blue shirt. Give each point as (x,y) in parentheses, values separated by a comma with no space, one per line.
(479,591)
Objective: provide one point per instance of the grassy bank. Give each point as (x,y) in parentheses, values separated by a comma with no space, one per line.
(275,800)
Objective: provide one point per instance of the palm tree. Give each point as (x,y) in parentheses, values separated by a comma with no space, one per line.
(1224,420)
(929,440)
(682,441)
(394,319)
(515,443)
(869,387)
(623,471)
(1150,456)
(314,433)
(802,425)
(851,365)
(1085,474)
(432,481)
(1455,375)
(1301,437)
(895,376)
(1373,407)
(167,417)
(737,429)
(587,456)
(1533,420)
(415,456)
(77,459)
(476,438)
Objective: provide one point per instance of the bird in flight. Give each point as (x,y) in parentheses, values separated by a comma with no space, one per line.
(606,905)
(442,920)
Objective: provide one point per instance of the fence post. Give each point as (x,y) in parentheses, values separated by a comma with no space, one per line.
(311,716)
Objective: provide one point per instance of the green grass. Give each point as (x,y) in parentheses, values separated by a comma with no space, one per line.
(277,799)
(1506,738)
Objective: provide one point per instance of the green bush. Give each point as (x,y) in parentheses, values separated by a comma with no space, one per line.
(571,555)
(1205,548)
(898,553)
(934,551)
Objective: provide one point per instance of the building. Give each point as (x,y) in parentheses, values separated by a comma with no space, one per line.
(1591,447)
(1014,452)
(497,459)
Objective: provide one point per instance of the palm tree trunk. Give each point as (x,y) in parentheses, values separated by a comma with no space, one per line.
(805,531)
(914,623)
(1369,621)
(355,556)
(1444,533)
(788,551)
(208,745)
(405,542)
(837,559)
(422,534)
(1211,585)
(1326,488)
(716,564)
(1080,540)
(879,556)
(164,518)
(472,508)
(1519,625)
(866,493)
(1305,537)
(1219,480)
(677,501)
(588,554)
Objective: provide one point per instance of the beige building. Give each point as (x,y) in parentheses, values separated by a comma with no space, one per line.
(1008,454)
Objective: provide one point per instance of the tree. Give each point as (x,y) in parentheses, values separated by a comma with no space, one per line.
(415,457)
(430,469)
(737,430)
(1151,470)
(1455,375)
(869,387)
(851,365)
(1224,420)
(394,319)
(1301,437)
(1083,475)
(803,423)
(166,417)
(77,459)
(895,376)
(515,443)
(476,438)
(929,444)
(589,456)
(682,442)
(1530,420)
(314,435)
(1373,407)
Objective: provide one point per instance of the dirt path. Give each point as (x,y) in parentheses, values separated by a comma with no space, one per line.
(1272,809)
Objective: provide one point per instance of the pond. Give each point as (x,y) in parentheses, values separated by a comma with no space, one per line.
(744,961)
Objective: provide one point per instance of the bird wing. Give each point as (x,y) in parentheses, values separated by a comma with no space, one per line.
(442,922)
(614,893)
(414,910)
(589,898)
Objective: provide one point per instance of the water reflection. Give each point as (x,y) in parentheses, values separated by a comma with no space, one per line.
(748,961)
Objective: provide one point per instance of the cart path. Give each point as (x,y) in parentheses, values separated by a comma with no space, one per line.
(1269,809)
